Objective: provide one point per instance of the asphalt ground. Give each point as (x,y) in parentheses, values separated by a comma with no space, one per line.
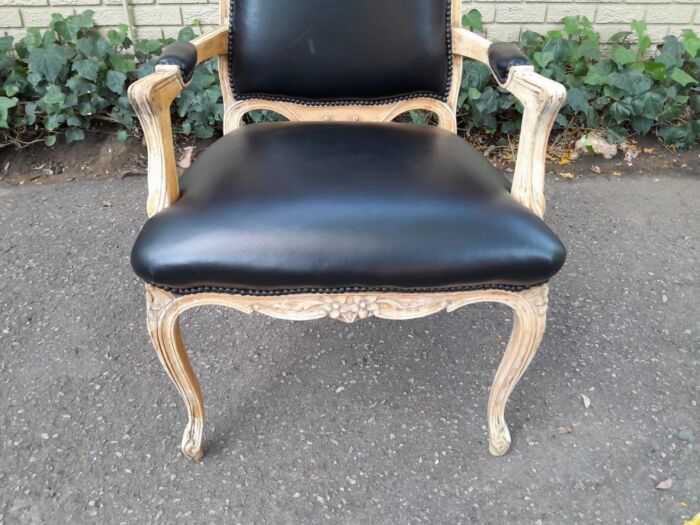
(375,422)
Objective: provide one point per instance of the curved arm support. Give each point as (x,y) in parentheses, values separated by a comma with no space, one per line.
(470,45)
(542,99)
(151,98)
(212,44)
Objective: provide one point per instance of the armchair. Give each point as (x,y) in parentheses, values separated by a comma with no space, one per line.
(341,213)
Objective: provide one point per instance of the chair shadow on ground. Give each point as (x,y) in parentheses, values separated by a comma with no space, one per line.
(298,364)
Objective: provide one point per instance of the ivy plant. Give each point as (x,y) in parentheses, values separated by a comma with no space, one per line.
(69,77)
(629,88)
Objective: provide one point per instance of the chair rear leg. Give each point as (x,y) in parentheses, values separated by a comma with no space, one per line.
(528,328)
(164,329)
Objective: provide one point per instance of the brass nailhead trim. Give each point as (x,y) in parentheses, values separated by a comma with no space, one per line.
(341,290)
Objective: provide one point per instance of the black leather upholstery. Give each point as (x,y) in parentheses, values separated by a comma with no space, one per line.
(502,57)
(291,206)
(316,51)
(181,54)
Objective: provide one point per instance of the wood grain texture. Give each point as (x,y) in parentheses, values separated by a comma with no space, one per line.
(233,118)
(164,330)
(470,45)
(542,99)
(151,97)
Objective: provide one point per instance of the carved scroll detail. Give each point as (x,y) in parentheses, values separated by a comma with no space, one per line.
(164,329)
(542,99)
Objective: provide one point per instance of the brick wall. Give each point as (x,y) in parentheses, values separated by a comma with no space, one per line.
(504,20)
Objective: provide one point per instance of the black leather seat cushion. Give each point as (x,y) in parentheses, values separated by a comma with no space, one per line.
(339,50)
(286,207)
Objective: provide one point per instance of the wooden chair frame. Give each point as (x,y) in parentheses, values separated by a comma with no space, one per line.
(541,98)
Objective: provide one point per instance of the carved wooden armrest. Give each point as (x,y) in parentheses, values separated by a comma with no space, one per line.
(541,98)
(151,98)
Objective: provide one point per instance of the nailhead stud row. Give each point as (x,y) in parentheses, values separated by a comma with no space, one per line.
(360,102)
(341,290)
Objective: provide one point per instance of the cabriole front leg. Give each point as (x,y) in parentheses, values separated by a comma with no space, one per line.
(528,328)
(164,329)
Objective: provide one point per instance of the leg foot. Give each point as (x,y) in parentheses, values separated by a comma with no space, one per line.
(528,328)
(164,329)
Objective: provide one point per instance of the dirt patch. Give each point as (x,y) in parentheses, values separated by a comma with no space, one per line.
(652,159)
(101,155)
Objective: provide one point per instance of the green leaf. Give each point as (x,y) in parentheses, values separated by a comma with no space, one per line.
(87,68)
(472,20)
(682,77)
(84,20)
(656,70)
(670,54)
(461,98)
(589,49)
(615,135)
(80,86)
(50,140)
(473,93)
(53,121)
(643,45)
(543,58)
(649,105)
(642,125)
(115,81)
(531,39)
(6,44)
(186,34)
(577,99)
(572,25)
(639,27)
(623,56)
(116,38)
(620,37)
(488,102)
(74,134)
(601,102)
(54,96)
(48,62)
(621,111)
(691,42)
(31,40)
(558,46)
(122,63)
(632,82)
(672,134)
(5,105)
(598,75)
(122,135)
(73,120)
(476,75)
(85,109)
(145,49)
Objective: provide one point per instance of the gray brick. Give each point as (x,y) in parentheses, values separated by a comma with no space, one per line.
(10,18)
(519,13)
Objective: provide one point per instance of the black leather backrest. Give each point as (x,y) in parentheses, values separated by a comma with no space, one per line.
(340,51)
